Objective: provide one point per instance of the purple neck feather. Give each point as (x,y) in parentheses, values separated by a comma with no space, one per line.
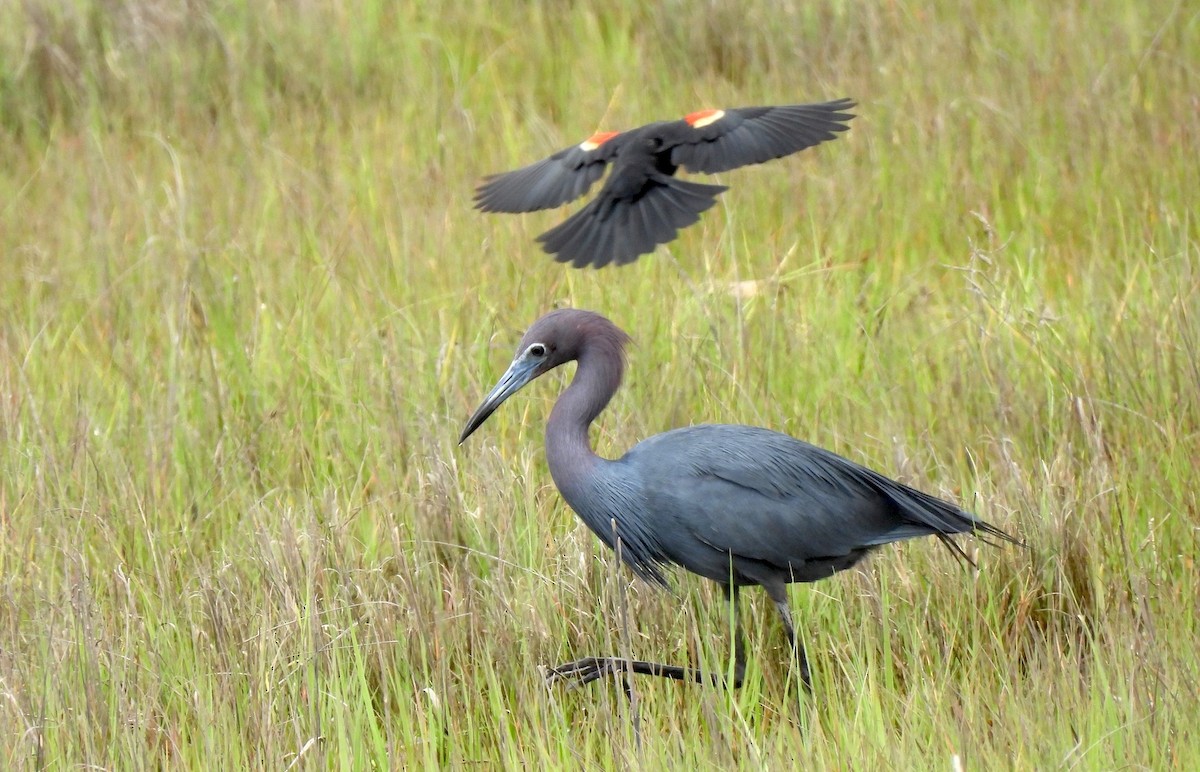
(597,378)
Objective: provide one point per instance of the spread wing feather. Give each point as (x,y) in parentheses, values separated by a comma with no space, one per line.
(604,231)
(754,135)
(545,184)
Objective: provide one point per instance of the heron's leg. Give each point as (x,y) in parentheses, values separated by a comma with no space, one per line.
(584,671)
(778,593)
(739,642)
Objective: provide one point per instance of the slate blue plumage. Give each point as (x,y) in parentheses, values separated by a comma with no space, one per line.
(739,505)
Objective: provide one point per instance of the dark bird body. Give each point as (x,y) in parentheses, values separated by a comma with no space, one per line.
(739,505)
(643,204)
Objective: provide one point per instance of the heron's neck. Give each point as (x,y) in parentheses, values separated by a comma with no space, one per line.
(568,449)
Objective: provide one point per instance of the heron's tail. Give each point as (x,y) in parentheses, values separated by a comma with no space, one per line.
(926,515)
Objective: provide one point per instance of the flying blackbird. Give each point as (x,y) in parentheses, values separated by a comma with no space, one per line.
(643,204)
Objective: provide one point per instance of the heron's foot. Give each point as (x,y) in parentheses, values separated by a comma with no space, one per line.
(583,671)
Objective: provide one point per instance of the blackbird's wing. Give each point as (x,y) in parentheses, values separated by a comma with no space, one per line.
(551,182)
(712,141)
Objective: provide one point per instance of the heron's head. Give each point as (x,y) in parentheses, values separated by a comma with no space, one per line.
(559,337)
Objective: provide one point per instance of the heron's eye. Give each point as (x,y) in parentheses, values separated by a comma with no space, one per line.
(536,350)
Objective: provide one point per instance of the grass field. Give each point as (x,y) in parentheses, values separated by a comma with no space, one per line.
(247,307)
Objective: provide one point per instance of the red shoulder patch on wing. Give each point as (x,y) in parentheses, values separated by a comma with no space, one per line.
(597,139)
(702,118)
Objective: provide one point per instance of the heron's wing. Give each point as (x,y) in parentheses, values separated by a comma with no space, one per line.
(717,140)
(793,509)
(551,182)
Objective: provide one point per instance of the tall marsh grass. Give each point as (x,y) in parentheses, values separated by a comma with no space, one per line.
(246,307)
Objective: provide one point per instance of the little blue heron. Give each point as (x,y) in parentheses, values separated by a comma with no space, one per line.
(739,505)
(642,204)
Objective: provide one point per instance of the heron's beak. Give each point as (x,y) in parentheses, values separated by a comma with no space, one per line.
(520,372)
